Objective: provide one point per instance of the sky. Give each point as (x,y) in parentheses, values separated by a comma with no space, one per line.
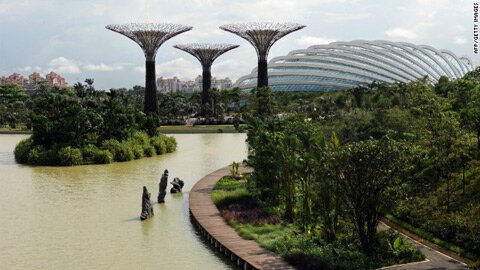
(69,36)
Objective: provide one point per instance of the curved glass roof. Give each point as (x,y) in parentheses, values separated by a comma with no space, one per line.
(343,65)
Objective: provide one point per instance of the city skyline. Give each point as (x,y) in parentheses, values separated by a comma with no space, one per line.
(35,80)
(70,39)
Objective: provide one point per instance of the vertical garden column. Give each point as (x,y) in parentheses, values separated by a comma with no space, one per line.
(150,36)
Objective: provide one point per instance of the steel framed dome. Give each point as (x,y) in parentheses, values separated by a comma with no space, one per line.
(343,65)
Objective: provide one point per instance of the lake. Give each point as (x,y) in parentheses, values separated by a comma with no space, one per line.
(87,217)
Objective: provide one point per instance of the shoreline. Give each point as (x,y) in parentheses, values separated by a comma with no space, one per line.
(177,130)
(15,132)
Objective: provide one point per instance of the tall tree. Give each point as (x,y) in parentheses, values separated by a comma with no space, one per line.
(368,174)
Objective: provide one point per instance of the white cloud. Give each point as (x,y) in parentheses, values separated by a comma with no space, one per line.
(399,32)
(230,68)
(29,69)
(306,41)
(103,67)
(342,17)
(420,19)
(459,40)
(8,6)
(25,69)
(77,32)
(139,69)
(63,65)
(205,3)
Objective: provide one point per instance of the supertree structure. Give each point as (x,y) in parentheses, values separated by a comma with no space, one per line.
(206,53)
(262,35)
(150,36)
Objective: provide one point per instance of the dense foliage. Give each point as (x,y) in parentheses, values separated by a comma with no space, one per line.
(13,109)
(82,125)
(245,213)
(175,107)
(331,162)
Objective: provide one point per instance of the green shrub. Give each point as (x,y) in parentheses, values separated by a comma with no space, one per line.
(171,144)
(103,157)
(137,150)
(141,138)
(92,153)
(229,183)
(121,151)
(224,197)
(149,150)
(394,250)
(229,190)
(89,152)
(159,143)
(135,147)
(69,156)
(125,153)
(475,265)
(38,156)
(112,145)
(22,149)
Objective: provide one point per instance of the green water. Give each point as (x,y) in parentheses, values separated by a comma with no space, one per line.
(87,217)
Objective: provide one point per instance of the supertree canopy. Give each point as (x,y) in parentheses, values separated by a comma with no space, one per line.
(150,36)
(206,53)
(262,35)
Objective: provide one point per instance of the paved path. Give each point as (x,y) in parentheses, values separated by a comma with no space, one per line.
(435,260)
(246,253)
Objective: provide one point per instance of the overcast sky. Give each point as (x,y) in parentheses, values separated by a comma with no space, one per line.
(69,36)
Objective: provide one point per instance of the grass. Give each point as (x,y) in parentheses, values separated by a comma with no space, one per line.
(224,197)
(267,236)
(236,204)
(229,190)
(19,128)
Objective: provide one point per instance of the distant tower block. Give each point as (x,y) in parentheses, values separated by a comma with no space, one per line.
(150,36)
(206,54)
(262,35)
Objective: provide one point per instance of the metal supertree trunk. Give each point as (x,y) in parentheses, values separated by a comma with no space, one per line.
(150,36)
(262,35)
(206,54)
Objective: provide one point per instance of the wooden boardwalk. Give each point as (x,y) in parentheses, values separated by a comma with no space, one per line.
(246,253)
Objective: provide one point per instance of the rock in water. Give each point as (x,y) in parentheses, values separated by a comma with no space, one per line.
(177,185)
(162,187)
(147,209)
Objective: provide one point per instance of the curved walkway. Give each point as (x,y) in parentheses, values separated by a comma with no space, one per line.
(246,253)
(435,259)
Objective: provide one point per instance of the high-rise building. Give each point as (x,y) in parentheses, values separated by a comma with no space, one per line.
(223,83)
(173,85)
(55,80)
(219,84)
(168,85)
(35,81)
